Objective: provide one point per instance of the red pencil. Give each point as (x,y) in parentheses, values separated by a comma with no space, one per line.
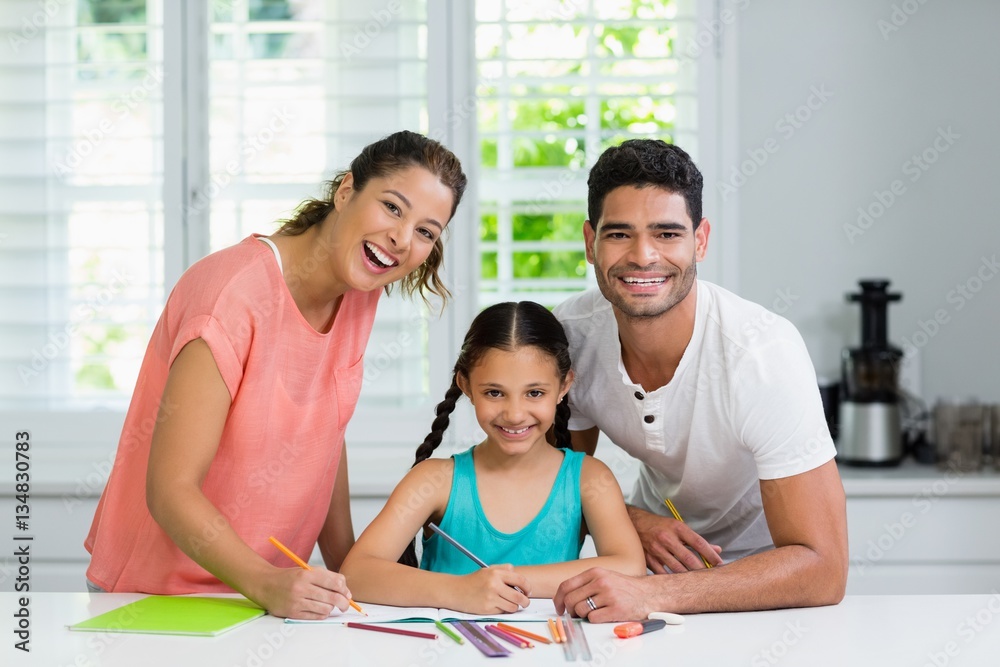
(394,631)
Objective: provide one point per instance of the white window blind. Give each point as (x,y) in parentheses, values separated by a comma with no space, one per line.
(81,229)
(103,202)
(297,89)
(558,82)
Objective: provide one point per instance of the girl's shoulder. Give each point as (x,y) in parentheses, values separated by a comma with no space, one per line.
(595,471)
(434,471)
(426,487)
(434,465)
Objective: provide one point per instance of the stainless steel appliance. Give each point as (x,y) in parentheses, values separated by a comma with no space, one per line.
(869,423)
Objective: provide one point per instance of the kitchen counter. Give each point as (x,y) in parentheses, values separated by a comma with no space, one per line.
(911,479)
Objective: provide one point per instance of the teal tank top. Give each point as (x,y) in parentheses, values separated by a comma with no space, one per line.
(553,536)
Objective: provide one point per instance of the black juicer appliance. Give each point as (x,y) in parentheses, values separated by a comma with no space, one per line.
(869,424)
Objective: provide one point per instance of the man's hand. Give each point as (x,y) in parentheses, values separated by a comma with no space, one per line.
(617,597)
(668,543)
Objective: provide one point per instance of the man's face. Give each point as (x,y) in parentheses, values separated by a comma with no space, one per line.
(644,250)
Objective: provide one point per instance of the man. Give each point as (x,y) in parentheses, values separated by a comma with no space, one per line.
(717,398)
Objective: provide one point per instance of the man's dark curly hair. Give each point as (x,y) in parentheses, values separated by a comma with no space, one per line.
(643,163)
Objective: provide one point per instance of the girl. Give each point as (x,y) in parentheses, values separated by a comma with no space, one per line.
(236,427)
(513,498)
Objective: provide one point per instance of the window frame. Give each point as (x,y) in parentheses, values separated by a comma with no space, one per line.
(83,443)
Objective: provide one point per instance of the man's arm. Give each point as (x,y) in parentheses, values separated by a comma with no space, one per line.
(806,514)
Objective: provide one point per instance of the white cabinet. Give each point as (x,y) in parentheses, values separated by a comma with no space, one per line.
(912,529)
(916,529)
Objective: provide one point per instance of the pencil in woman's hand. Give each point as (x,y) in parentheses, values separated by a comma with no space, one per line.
(305,566)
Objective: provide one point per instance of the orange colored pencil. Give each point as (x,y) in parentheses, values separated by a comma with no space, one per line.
(305,566)
(562,631)
(554,631)
(523,633)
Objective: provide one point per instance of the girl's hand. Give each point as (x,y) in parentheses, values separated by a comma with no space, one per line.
(303,594)
(491,590)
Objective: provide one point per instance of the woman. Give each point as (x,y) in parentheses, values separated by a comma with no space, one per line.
(236,427)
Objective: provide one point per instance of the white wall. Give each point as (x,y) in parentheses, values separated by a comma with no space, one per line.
(891,95)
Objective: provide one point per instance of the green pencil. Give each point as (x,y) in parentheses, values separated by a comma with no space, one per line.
(448,631)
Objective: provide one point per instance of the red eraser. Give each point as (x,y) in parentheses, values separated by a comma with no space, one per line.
(635,628)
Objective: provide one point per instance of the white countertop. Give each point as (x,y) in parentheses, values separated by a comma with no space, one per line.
(957,630)
(911,478)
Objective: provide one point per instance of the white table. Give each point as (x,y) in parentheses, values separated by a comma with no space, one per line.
(863,630)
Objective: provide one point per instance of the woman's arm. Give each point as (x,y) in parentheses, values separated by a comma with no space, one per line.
(375,575)
(337,536)
(617,544)
(185,441)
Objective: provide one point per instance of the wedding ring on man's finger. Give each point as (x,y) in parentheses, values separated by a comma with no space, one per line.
(590,603)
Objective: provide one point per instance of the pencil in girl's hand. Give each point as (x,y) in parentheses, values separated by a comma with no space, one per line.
(451,540)
(305,566)
(475,559)
(677,516)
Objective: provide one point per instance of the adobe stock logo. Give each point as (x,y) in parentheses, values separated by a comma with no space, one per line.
(899,17)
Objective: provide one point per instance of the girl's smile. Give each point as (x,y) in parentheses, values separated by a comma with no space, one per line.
(515,394)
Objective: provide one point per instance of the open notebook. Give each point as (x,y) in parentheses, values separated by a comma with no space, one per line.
(540,609)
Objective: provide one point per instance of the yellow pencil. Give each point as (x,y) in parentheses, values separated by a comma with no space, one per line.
(677,516)
(305,566)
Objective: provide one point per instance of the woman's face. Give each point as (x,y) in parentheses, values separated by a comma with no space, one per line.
(385,231)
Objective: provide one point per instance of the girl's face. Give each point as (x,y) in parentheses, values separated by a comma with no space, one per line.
(515,395)
(385,231)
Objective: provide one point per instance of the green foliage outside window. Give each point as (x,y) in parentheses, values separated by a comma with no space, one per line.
(544,107)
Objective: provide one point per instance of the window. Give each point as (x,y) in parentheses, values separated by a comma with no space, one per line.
(81,229)
(296,90)
(558,82)
(114,177)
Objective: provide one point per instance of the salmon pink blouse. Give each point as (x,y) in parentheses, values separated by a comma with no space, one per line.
(293,391)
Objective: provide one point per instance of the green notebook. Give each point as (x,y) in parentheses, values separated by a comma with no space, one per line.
(168,615)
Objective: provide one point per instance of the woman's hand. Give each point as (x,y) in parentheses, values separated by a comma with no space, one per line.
(302,594)
(491,590)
